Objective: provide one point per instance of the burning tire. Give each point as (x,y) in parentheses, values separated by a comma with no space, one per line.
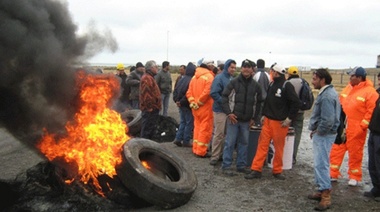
(155,174)
(133,120)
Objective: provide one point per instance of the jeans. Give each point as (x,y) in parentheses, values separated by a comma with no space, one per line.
(236,134)
(186,125)
(148,123)
(321,151)
(165,104)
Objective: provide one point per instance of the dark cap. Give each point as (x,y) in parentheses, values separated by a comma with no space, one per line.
(139,64)
(248,63)
(357,71)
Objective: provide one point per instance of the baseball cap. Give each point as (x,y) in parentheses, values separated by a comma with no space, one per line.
(278,68)
(357,71)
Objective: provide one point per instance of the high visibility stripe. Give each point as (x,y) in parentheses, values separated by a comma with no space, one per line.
(365,122)
(200,143)
(344,95)
(334,166)
(190,98)
(362,99)
(354,171)
(204,77)
(200,103)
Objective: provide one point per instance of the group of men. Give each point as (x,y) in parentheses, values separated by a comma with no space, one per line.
(148,89)
(239,103)
(217,109)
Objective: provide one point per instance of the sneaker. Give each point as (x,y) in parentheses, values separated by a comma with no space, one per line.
(213,162)
(245,170)
(279,176)
(178,143)
(253,175)
(352,182)
(228,172)
(333,179)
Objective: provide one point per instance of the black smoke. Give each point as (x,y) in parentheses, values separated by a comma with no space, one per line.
(38,46)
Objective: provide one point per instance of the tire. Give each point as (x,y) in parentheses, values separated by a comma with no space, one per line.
(166,129)
(133,120)
(168,183)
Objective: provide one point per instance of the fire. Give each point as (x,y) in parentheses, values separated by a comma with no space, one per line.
(95,137)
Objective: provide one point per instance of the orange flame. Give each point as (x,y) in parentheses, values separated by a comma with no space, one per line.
(94,139)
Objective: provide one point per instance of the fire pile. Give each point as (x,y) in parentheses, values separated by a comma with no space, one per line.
(81,167)
(94,138)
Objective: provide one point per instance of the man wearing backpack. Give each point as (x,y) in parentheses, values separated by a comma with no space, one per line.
(298,84)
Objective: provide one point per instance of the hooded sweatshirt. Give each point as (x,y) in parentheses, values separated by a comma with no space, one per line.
(220,82)
(179,93)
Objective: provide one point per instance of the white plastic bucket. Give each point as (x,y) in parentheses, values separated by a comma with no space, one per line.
(287,158)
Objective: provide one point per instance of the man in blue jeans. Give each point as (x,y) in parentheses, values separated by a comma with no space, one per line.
(238,100)
(164,82)
(324,122)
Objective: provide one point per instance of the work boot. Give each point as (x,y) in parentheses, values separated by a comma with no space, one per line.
(178,143)
(316,196)
(253,175)
(279,176)
(325,202)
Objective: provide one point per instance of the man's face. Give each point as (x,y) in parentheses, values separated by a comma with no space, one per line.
(316,81)
(247,71)
(154,69)
(232,69)
(182,70)
(355,80)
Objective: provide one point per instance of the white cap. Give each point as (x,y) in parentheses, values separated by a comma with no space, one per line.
(279,69)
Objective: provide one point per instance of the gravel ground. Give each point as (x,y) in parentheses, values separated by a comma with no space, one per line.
(216,192)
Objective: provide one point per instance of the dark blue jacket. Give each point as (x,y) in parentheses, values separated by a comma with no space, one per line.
(179,93)
(220,82)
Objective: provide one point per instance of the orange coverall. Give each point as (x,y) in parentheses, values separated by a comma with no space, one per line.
(358,103)
(199,93)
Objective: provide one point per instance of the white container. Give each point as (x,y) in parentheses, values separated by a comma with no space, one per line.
(287,158)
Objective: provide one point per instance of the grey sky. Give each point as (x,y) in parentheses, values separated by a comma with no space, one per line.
(333,34)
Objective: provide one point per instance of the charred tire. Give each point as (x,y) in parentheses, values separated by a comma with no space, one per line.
(133,120)
(166,129)
(169,182)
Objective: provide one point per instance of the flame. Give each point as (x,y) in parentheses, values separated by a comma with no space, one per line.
(145,164)
(95,137)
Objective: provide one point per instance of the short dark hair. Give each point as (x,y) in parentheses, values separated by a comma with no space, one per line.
(323,73)
(378,75)
(183,66)
(260,63)
(165,64)
(221,66)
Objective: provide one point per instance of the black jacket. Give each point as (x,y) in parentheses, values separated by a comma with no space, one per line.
(281,102)
(248,94)
(374,125)
(179,93)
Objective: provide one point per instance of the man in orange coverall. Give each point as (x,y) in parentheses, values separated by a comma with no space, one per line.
(201,102)
(358,100)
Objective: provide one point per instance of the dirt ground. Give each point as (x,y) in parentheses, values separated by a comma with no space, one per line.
(216,192)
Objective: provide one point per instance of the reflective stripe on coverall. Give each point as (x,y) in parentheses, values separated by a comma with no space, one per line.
(199,93)
(271,129)
(358,103)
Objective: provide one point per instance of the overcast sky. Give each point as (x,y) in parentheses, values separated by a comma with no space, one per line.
(324,33)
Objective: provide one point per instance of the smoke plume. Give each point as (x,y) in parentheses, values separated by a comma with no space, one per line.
(38,45)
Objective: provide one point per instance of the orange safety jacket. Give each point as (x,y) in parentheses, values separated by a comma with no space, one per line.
(358,103)
(199,94)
